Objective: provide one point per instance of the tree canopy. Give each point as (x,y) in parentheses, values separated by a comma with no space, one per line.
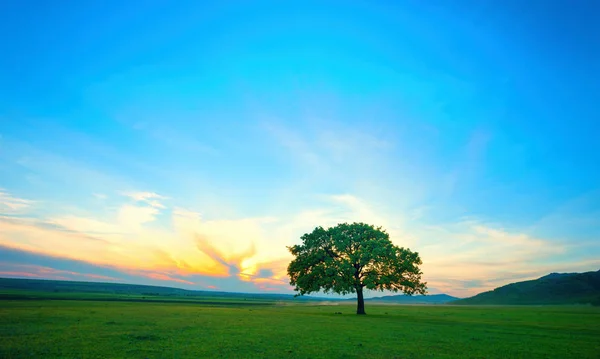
(350,257)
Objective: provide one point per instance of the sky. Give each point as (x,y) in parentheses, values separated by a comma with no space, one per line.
(188,143)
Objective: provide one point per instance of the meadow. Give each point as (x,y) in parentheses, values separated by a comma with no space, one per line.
(227,328)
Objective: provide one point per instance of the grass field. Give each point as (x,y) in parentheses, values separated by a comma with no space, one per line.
(234,329)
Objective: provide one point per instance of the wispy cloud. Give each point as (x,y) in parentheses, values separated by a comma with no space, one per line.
(166,278)
(21,231)
(133,217)
(37,271)
(143,196)
(150,198)
(12,204)
(85,225)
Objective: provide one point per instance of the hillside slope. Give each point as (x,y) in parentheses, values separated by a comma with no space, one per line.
(66,287)
(554,288)
(409,299)
(414,299)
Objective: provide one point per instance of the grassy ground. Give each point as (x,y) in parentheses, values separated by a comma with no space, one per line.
(96,329)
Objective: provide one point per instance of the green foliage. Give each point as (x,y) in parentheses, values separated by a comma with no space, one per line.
(349,257)
(74,329)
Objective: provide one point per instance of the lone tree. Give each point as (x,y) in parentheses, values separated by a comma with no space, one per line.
(350,257)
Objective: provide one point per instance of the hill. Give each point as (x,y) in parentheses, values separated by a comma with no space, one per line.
(554,288)
(407,299)
(414,299)
(9,287)
(14,288)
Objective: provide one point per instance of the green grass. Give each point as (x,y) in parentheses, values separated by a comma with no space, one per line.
(96,329)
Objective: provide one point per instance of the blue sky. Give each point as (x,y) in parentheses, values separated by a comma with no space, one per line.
(188,144)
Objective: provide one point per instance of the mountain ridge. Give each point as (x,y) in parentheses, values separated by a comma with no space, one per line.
(66,286)
(553,288)
(101,288)
(414,299)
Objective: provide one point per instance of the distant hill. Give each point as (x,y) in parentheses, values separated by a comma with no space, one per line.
(406,299)
(58,287)
(554,288)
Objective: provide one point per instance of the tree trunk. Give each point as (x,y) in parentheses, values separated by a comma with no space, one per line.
(360,308)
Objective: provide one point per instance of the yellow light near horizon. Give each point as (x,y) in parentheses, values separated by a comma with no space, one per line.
(249,266)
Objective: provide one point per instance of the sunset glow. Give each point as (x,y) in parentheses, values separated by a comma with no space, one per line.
(189,148)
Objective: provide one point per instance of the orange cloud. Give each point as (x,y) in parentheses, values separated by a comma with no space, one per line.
(167,262)
(37,271)
(164,277)
(20,274)
(231,264)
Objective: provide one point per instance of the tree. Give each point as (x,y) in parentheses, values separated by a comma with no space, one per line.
(350,257)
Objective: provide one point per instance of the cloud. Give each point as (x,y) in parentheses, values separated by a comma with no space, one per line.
(204,246)
(52,238)
(233,261)
(133,217)
(127,243)
(149,198)
(30,264)
(184,219)
(46,231)
(235,245)
(143,196)
(357,210)
(85,225)
(37,271)
(121,240)
(456,257)
(164,277)
(33,261)
(11,204)
(15,274)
